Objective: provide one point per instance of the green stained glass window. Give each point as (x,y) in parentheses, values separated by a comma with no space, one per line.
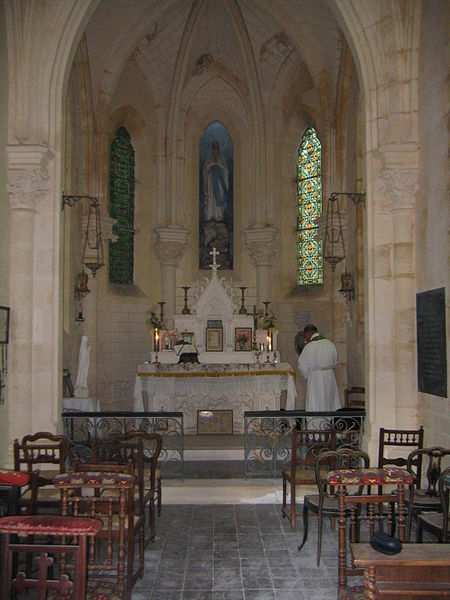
(309,208)
(121,208)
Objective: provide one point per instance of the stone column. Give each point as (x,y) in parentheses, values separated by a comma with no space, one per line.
(26,187)
(169,246)
(262,247)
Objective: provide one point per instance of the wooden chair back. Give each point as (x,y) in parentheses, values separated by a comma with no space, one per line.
(306,445)
(430,460)
(407,439)
(354,397)
(43,455)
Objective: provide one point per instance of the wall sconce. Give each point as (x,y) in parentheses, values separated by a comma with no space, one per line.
(81,289)
(92,256)
(347,289)
(333,244)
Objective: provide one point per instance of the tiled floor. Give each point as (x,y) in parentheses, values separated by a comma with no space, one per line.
(235,552)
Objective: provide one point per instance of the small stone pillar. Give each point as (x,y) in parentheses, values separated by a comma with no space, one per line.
(169,246)
(262,246)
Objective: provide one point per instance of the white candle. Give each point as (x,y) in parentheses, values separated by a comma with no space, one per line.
(269,343)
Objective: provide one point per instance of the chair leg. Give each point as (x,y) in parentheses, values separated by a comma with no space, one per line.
(293,505)
(419,532)
(159,494)
(283,506)
(319,536)
(305,525)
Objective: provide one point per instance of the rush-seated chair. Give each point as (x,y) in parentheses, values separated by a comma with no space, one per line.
(306,444)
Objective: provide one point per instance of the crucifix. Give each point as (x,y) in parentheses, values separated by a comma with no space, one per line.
(214,265)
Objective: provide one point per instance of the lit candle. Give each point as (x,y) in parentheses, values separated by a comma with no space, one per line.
(156,339)
(269,343)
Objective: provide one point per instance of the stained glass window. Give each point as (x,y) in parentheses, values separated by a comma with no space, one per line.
(309,208)
(121,208)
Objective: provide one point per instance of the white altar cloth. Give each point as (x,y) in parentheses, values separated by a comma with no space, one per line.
(80,404)
(192,387)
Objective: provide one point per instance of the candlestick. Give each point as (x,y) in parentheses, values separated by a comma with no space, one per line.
(185,310)
(266,307)
(161,304)
(242,310)
(156,340)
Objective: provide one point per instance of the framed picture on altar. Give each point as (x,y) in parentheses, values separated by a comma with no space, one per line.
(214,339)
(242,339)
(188,337)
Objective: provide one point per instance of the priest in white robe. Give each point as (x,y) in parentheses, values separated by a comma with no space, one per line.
(316,363)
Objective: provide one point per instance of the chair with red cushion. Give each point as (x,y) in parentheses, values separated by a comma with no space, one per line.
(64,537)
(10,484)
(109,496)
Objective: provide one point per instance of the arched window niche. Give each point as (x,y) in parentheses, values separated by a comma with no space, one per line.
(309,209)
(121,208)
(216,196)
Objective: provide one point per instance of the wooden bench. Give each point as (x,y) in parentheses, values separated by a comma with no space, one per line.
(419,571)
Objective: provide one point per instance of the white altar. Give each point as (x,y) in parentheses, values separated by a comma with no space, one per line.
(193,387)
(238,368)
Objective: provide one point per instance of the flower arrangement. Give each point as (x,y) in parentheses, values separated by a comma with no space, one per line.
(267,319)
(153,320)
(242,339)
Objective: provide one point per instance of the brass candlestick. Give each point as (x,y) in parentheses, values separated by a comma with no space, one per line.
(266,307)
(185,310)
(242,310)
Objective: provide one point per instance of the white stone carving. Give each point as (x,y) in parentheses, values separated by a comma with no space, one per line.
(26,188)
(400,187)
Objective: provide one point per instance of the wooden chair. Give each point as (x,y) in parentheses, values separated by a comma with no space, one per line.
(306,444)
(148,448)
(424,497)
(109,496)
(437,523)
(325,503)
(43,455)
(11,483)
(143,449)
(73,532)
(355,509)
(357,401)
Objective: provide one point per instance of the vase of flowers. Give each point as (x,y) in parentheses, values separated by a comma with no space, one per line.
(152,321)
(242,340)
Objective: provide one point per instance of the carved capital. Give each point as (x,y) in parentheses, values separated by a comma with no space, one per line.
(401,187)
(170,244)
(27,187)
(261,244)
(169,253)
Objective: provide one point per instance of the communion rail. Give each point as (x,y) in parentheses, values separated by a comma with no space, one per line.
(267,440)
(83,427)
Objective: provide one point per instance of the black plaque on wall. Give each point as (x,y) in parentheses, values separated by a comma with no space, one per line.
(431,342)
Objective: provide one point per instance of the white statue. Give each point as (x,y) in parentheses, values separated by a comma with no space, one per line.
(81,386)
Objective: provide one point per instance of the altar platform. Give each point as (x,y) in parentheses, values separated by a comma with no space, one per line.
(192,388)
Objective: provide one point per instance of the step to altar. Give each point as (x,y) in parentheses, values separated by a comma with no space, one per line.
(214,447)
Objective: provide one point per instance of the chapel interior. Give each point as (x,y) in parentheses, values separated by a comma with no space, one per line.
(369,78)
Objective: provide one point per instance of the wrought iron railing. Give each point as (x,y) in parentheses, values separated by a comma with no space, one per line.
(267,440)
(83,427)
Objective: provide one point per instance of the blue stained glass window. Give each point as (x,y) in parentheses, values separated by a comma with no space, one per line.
(121,208)
(309,209)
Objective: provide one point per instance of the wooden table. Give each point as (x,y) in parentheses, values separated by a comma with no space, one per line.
(418,571)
